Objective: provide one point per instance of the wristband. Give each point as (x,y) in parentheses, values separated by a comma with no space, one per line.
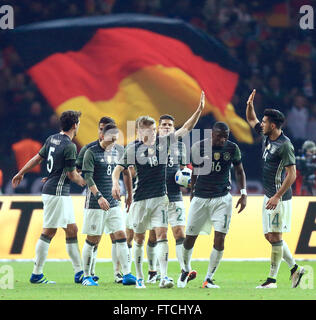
(243,192)
(98,195)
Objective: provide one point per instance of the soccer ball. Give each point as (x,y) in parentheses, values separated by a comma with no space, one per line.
(183,177)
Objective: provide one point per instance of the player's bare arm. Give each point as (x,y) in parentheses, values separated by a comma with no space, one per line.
(37,159)
(190,124)
(75,177)
(115,181)
(127,178)
(241,183)
(250,110)
(287,183)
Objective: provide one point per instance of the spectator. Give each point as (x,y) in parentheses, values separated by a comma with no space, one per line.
(311,125)
(274,94)
(297,118)
(24,150)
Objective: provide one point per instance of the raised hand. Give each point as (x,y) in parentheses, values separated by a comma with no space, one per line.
(202,101)
(251,98)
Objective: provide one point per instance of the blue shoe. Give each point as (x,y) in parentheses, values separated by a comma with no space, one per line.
(88,281)
(79,277)
(40,278)
(129,279)
(95,278)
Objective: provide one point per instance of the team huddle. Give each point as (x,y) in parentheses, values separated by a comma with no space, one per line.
(150,163)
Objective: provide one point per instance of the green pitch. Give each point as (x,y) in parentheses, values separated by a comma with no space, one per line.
(236,279)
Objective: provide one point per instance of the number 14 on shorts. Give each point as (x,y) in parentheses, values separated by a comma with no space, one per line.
(273,219)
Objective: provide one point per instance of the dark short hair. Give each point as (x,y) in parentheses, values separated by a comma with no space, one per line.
(219,125)
(106,120)
(166,117)
(68,119)
(110,126)
(275,116)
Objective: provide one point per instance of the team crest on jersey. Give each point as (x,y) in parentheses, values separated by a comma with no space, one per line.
(217,155)
(109,159)
(226,156)
(268,147)
(273,149)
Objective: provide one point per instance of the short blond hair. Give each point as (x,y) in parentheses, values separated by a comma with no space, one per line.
(145,121)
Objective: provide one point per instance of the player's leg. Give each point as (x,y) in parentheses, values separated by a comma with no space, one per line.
(139,239)
(129,240)
(129,235)
(215,259)
(140,215)
(73,250)
(93,263)
(88,252)
(272,229)
(152,257)
(118,278)
(123,257)
(198,217)
(56,210)
(93,226)
(41,252)
(115,223)
(176,218)
(220,215)
(296,272)
(159,222)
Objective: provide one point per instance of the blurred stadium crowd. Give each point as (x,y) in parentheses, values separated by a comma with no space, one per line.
(278,60)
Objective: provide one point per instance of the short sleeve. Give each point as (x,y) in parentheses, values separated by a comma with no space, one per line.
(125,160)
(258,129)
(79,161)
(88,161)
(43,151)
(237,156)
(70,155)
(287,154)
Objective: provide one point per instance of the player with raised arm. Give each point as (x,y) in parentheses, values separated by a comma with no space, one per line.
(279,173)
(102,212)
(118,277)
(211,202)
(60,153)
(150,206)
(176,209)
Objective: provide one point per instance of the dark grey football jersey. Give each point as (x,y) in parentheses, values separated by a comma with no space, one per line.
(276,155)
(150,163)
(101,163)
(217,182)
(176,157)
(60,153)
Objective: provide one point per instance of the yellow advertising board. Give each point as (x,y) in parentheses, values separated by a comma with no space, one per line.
(21,220)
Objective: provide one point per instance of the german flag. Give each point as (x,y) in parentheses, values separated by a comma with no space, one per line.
(128,65)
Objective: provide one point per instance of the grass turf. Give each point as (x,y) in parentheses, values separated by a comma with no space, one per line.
(236,279)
